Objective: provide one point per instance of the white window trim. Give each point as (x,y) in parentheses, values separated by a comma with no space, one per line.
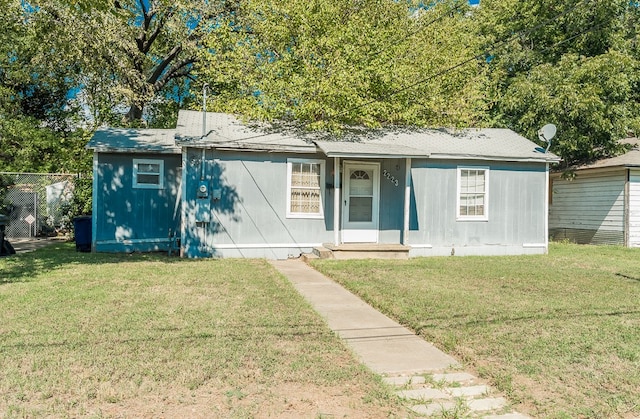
(320,214)
(160,183)
(485,216)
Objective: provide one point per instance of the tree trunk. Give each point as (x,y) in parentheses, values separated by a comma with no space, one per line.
(134,116)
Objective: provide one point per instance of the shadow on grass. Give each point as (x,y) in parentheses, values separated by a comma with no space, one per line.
(24,267)
(633,278)
(450,320)
(244,332)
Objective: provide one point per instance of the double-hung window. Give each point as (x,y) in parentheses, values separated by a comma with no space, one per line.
(148,174)
(473,193)
(305,188)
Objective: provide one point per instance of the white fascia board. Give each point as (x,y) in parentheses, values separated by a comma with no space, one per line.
(493,158)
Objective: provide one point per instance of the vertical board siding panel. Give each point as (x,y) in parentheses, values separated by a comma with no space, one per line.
(129,213)
(391,200)
(589,208)
(634,208)
(516,205)
(254,211)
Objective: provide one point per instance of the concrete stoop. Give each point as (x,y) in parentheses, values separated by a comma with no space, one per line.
(457,394)
(362,251)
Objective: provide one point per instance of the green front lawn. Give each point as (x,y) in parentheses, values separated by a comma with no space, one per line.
(558,333)
(100,335)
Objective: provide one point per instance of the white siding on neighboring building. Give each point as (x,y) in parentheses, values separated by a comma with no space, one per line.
(634,208)
(589,208)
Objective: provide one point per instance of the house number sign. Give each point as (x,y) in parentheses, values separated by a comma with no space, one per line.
(389,176)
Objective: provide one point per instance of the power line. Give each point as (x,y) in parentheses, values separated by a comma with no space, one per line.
(493,46)
(458,5)
(575,35)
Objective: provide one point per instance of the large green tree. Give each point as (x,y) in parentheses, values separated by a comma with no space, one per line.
(574,64)
(138,55)
(38,118)
(517,63)
(327,63)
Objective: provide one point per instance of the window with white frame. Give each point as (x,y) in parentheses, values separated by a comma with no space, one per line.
(305,188)
(148,174)
(473,193)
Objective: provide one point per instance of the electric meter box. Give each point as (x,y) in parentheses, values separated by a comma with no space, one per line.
(203,203)
(203,189)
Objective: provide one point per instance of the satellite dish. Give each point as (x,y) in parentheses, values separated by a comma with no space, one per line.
(546,133)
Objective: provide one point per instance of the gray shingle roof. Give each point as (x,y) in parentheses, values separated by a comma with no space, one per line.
(630,159)
(228,132)
(489,144)
(122,140)
(224,131)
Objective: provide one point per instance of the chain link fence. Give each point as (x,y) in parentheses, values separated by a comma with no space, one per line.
(36,203)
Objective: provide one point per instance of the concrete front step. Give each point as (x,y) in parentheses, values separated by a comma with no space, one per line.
(452,393)
(424,394)
(459,378)
(428,393)
(507,416)
(474,406)
(362,251)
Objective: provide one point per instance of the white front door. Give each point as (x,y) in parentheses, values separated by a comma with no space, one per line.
(360,200)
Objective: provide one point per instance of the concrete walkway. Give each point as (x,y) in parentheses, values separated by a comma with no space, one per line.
(431,381)
(31,244)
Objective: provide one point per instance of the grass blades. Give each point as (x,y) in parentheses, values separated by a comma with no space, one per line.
(100,335)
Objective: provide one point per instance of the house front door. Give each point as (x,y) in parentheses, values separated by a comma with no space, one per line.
(361,190)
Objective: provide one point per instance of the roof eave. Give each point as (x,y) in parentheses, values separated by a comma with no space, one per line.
(347,155)
(606,167)
(265,148)
(102,149)
(554,159)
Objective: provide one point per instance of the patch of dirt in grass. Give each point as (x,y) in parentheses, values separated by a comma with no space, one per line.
(531,395)
(526,394)
(284,400)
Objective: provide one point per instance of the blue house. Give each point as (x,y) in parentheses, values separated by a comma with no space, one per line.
(136,182)
(234,189)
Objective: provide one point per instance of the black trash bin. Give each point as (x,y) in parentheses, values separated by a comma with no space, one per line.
(82,228)
(5,246)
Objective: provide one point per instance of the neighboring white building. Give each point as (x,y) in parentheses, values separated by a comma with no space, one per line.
(601,205)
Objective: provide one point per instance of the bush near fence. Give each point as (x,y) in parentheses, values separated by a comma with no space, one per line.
(43,204)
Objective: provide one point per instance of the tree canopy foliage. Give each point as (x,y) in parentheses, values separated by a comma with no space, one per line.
(574,64)
(38,121)
(348,62)
(137,54)
(68,66)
